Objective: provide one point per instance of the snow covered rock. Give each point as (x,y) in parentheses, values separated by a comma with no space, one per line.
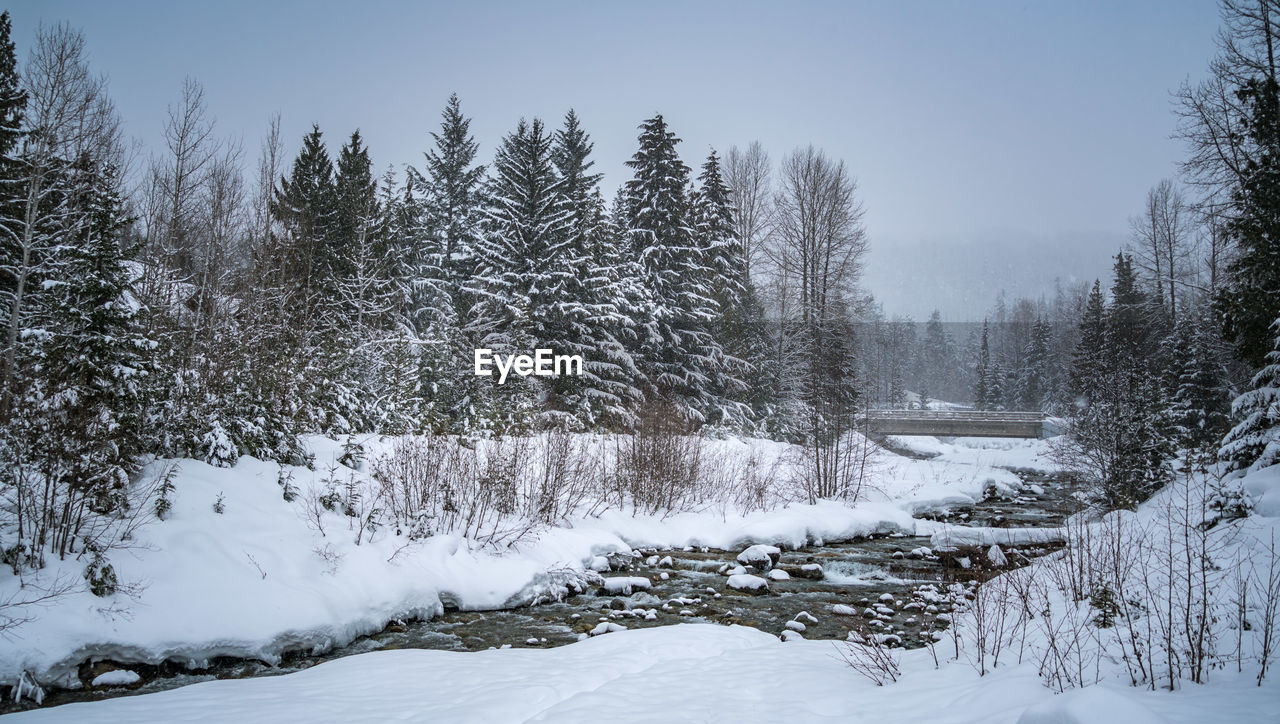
(116,677)
(777,574)
(605,627)
(749,583)
(624,585)
(761,556)
(789,635)
(996,556)
(795,626)
(841,609)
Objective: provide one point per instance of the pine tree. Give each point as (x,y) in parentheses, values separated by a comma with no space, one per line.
(682,361)
(446,235)
(1248,301)
(598,293)
(982,372)
(93,361)
(1088,363)
(1033,385)
(1255,442)
(739,323)
(1200,402)
(305,203)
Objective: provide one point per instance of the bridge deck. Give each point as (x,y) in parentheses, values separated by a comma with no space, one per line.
(956,423)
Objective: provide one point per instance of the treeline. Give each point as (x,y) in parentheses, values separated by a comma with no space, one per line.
(183,310)
(1192,320)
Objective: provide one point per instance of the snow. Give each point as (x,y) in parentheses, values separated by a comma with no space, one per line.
(1089,705)
(748,582)
(778,574)
(625,585)
(684,673)
(759,554)
(251,582)
(116,677)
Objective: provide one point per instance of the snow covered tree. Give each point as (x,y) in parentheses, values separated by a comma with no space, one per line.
(1033,383)
(1198,382)
(601,295)
(683,359)
(739,321)
(305,203)
(1254,443)
(88,393)
(1247,301)
(1088,362)
(443,206)
(982,371)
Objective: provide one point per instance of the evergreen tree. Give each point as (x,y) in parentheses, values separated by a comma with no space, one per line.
(1248,301)
(684,358)
(1254,443)
(1033,385)
(1089,363)
(305,203)
(982,372)
(87,396)
(599,293)
(1200,402)
(739,323)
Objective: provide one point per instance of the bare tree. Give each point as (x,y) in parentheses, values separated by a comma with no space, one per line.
(819,242)
(180,177)
(747,174)
(1211,116)
(1161,243)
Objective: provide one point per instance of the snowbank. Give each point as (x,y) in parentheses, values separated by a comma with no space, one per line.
(685,673)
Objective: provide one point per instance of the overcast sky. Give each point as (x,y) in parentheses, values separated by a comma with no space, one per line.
(997,144)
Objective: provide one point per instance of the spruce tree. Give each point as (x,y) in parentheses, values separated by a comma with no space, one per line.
(1201,405)
(982,372)
(600,295)
(93,362)
(305,205)
(1248,300)
(1254,443)
(682,360)
(739,323)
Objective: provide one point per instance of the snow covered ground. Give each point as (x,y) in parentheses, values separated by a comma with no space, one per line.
(685,673)
(260,579)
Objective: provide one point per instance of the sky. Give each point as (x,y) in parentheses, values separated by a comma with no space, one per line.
(996,144)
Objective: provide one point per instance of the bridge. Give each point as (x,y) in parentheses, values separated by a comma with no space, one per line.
(955,423)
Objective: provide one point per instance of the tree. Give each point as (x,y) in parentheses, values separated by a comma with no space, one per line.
(739,324)
(982,394)
(1200,401)
(1254,443)
(819,243)
(1247,300)
(747,174)
(1161,244)
(683,358)
(69,115)
(1033,384)
(599,292)
(306,205)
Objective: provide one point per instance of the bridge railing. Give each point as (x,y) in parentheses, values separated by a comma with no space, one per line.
(956,415)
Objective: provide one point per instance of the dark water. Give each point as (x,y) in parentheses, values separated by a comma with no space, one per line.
(896,588)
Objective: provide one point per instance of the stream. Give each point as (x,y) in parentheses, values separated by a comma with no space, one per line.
(895,586)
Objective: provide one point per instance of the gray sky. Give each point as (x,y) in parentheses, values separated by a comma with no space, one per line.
(997,144)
